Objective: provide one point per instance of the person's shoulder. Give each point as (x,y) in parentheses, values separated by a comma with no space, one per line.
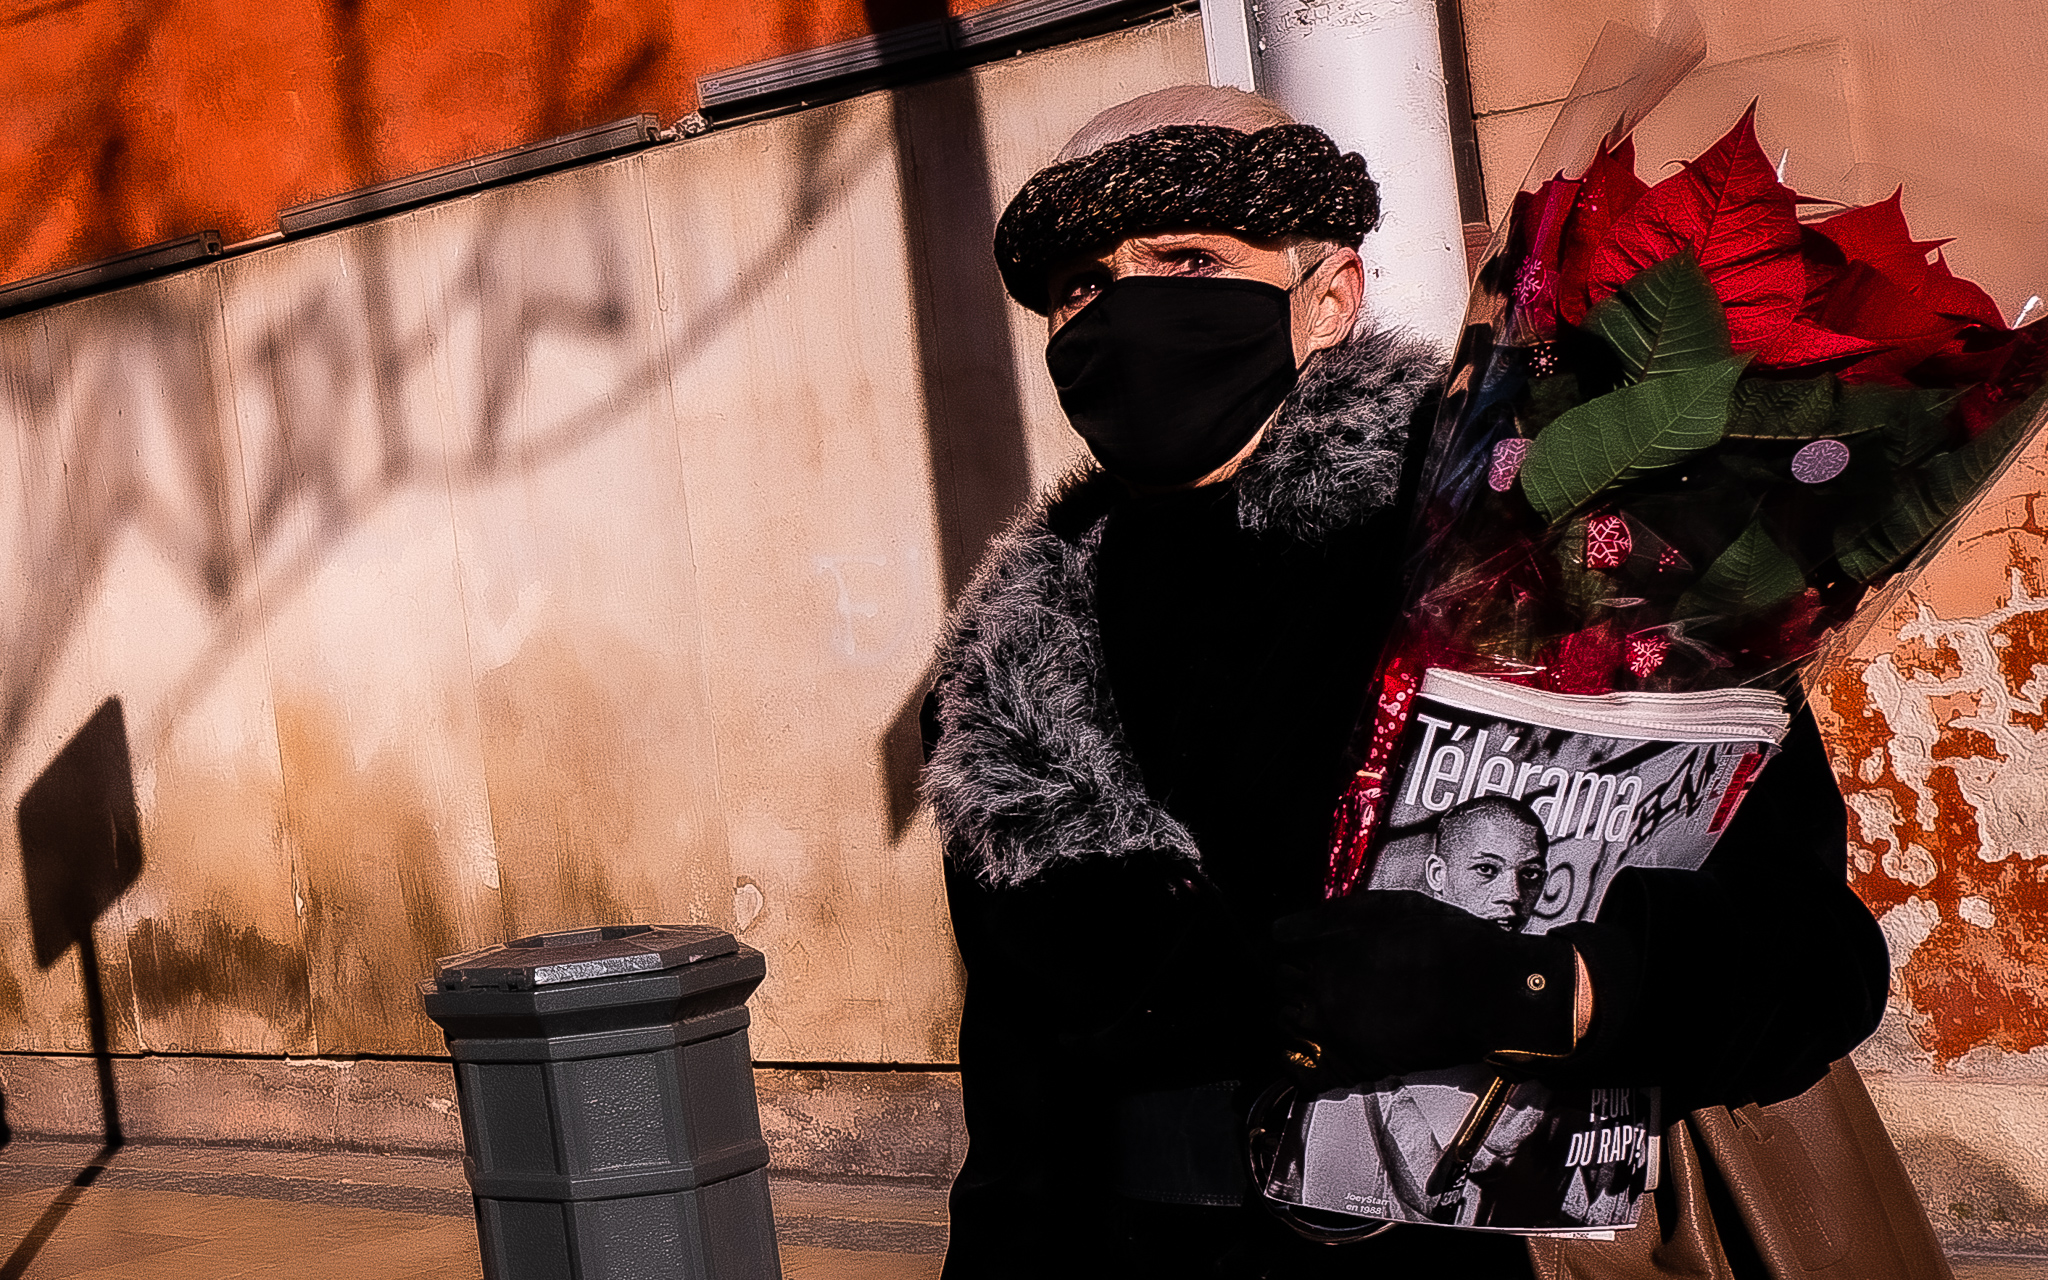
(1382,371)
(1336,454)
(1036,567)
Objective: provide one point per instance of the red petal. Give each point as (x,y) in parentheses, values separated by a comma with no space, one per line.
(1866,304)
(1609,189)
(2021,374)
(1975,354)
(1800,343)
(1729,208)
(1876,234)
(1824,263)
(1948,294)
(1542,220)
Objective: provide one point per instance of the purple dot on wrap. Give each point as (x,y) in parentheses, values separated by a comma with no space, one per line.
(1820,461)
(1507,460)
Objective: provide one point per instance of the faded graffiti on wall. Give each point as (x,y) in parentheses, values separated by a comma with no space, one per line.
(562,554)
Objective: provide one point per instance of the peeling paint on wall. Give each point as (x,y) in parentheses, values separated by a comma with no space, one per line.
(1940,738)
(1940,748)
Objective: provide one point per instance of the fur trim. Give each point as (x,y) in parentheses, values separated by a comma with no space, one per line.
(1334,457)
(1030,770)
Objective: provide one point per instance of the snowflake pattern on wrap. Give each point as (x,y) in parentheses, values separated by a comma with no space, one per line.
(1607,542)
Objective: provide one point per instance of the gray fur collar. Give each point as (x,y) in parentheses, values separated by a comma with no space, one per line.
(1030,770)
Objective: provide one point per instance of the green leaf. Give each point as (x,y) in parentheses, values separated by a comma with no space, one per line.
(1753,574)
(1913,422)
(1771,409)
(1666,320)
(1626,433)
(1546,398)
(1930,495)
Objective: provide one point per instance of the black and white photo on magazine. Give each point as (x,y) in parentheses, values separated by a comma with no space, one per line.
(1519,806)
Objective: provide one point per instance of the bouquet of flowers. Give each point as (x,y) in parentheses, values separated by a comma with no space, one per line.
(1688,427)
(1686,430)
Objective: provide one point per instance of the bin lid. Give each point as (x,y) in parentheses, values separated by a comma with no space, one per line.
(578,955)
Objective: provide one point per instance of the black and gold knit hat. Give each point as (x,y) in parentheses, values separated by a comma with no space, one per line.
(1288,180)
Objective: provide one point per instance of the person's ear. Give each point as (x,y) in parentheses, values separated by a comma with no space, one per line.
(1433,872)
(1334,294)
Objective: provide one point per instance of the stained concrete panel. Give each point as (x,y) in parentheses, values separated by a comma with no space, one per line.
(578,586)
(357,587)
(129,542)
(808,497)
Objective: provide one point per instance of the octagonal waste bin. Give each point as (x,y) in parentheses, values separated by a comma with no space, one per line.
(608,1109)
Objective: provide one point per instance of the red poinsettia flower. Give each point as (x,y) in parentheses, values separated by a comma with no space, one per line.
(1607,192)
(1853,293)
(1730,211)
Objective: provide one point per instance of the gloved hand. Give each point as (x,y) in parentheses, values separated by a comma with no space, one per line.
(1392,981)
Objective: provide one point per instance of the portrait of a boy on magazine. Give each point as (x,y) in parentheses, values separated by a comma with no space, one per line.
(1519,806)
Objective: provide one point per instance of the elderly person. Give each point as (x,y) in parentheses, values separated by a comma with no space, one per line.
(1143,714)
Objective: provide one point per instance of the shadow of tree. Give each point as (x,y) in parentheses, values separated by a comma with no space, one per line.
(974,437)
(240,444)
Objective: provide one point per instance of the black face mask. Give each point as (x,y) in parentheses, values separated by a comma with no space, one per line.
(1169,377)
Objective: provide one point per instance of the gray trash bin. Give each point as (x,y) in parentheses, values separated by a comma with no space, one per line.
(608,1104)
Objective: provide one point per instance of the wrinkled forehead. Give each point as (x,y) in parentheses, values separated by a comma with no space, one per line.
(1177,104)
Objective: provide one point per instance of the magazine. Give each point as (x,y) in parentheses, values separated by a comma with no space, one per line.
(1520,806)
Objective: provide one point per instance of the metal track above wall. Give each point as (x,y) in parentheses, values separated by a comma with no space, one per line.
(491,170)
(594,143)
(922,48)
(777,84)
(122,268)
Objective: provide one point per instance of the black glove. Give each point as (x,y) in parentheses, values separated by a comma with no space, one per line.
(1391,981)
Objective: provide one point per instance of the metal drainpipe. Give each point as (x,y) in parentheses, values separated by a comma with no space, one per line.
(1371,74)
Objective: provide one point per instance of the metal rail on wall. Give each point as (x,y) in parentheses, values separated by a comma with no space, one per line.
(776,85)
(932,47)
(108,273)
(535,158)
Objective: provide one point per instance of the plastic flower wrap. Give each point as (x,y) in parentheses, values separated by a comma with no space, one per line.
(1687,428)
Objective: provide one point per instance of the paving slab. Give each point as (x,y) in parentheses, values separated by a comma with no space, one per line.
(164,1212)
(72,1211)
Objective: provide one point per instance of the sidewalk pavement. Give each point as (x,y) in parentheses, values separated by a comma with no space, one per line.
(149,1212)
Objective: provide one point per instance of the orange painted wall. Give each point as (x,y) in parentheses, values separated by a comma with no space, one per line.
(130,122)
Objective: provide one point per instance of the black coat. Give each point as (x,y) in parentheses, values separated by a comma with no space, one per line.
(1139,725)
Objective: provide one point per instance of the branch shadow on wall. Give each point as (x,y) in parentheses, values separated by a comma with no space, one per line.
(81,849)
(336,388)
(325,424)
(974,420)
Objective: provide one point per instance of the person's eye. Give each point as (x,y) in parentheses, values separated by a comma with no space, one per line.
(1486,871)
(1072,295)
(1194,262)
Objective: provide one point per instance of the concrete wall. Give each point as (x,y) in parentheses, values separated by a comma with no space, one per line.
(1934,710)
(567,553)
